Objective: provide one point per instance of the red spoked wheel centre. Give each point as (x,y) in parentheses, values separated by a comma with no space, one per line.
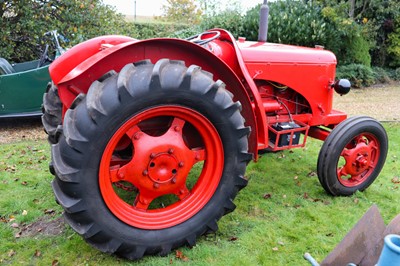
(161,167)
(361,156)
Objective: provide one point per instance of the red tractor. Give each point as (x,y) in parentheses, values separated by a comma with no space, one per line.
(151,138)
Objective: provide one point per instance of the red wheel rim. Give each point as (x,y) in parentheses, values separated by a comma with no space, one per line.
(159,164)
(360,156)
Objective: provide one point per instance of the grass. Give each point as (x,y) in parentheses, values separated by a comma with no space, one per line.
(283,213)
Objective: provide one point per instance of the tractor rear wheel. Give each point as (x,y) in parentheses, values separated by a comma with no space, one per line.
(52,112)
(150,159)
(352,156)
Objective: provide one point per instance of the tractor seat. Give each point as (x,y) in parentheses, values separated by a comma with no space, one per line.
(5,67)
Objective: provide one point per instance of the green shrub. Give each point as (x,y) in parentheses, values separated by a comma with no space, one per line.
(290,22)
(394,46)
(381,75)
(23,23)
(394,74)
(230,20)
(309,24)
(157,29)
(358,74)
(186,32)
(356,51)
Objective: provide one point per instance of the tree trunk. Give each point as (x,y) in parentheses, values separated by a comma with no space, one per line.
(352,7)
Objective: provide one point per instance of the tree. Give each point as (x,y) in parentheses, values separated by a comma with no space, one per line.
(23,24)
(379,22)
(181,11)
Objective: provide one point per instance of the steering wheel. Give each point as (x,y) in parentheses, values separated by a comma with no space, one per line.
(198,38)
(44,57)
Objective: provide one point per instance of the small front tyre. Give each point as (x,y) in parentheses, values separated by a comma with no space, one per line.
(352,156)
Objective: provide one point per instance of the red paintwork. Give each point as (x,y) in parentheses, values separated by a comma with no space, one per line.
(79,53)
(361,157)
(262,76)
(160,165)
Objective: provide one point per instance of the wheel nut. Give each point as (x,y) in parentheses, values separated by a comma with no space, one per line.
(197,157)
(171,151)
(145,172)
(121,176)
(152,155)
(176,128)
(156,185)
(173,180)
(181,164)
(136,136)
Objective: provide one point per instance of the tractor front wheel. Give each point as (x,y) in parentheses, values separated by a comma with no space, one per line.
(352,156)
(150,159)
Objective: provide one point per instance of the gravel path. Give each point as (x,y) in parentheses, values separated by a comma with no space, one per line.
(381,102)
(17,129)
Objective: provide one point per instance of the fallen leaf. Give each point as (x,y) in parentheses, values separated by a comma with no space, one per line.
(267,196)
(296,177)
(14,225)
(326,202)
(179,255)
(24,183)
(275,249)
(18,235)
(49,211)
(284,196)
(281,243)
(11,253)
(24,212)
(233,238)
(305,195)
(54,263)
(312,173)
(356,200)
(281,156)
(37,253)
(396,180)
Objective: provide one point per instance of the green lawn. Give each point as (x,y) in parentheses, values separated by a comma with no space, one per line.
(283,213)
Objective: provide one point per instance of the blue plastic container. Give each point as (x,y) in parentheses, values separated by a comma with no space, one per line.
(390,254)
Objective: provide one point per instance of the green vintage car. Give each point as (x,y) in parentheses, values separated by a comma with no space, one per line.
(22,85)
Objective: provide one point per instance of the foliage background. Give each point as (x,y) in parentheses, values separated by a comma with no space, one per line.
(361,33)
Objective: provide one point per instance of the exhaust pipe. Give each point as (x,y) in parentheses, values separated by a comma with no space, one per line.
(263,29)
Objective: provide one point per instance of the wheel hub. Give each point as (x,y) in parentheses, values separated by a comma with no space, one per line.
(163,168)
(359,158)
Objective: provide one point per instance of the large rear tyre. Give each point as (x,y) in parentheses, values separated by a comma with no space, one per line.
(52,112)
(150,159)
(352,156)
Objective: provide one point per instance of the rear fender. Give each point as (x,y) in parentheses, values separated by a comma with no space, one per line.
(79,79)
(79,53)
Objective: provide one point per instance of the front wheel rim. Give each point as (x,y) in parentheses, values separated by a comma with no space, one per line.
(361,156)
(159,166)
